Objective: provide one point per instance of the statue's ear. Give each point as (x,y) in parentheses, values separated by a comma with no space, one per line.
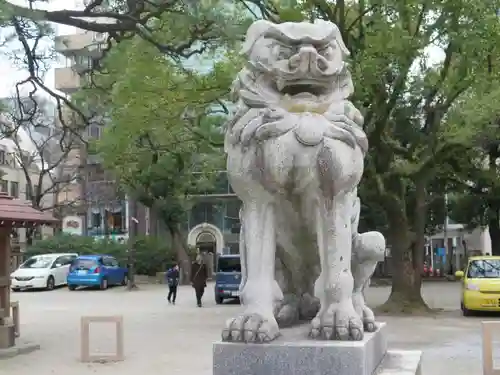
(254,32)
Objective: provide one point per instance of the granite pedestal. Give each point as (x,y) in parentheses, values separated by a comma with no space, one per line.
(293,354)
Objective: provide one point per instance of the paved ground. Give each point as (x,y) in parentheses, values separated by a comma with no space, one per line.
(161,339)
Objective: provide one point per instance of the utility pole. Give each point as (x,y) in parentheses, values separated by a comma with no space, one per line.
(449,257)
(132,232)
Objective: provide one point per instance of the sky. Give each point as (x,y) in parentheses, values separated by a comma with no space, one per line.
(10,74)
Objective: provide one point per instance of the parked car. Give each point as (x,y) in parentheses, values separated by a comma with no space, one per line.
(480,284)
(227,277)
(44,271)
(96,270)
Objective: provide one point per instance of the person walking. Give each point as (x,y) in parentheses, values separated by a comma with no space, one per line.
(199,277)
(173,283)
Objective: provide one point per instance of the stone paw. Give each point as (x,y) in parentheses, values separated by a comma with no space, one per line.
(286,311)
(366,314)
(369,320)
(252,328)
(338,322)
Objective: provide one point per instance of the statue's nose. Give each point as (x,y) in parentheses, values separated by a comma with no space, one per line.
(307,59)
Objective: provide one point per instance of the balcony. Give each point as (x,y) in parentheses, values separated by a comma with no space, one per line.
(84,44)
(67,80)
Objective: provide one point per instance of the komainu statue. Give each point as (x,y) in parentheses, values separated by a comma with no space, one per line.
(295,152)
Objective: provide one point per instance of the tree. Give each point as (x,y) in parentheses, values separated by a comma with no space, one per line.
(477,203)
(40,150)
(163,138)
(416,108)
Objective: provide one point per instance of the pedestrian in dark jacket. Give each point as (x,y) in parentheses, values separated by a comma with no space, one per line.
(173,283)
(199,277)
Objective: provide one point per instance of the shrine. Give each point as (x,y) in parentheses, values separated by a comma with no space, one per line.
(14,213)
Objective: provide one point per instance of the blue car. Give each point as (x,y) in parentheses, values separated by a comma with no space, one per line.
(227,277)
(96,271)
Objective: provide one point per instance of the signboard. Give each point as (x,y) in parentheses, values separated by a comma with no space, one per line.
(72,225)
(441,251)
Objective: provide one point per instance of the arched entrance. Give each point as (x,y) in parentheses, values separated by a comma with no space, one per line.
(206,243)
(208,239)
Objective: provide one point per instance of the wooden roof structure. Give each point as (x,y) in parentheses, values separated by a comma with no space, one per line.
(15,213)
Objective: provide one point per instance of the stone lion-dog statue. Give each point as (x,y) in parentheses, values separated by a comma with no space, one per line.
(295,150)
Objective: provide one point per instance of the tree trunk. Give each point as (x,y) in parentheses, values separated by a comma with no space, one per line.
(405,294)
(182,254)
(407,251)
(494,228)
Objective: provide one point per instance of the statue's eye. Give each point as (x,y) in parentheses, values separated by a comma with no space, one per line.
(325,51)
(285,52)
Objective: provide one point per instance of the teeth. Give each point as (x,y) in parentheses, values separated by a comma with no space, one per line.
(280,84)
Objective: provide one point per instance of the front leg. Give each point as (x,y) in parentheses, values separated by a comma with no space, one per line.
(337,318)
(257,323)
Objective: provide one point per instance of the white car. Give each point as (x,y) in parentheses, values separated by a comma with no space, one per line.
(44,271)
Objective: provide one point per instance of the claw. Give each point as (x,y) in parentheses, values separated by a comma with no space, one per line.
(250,328)
(327,333)
(370,326)
(339,322)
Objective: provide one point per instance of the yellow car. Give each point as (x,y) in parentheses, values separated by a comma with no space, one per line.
(481,284)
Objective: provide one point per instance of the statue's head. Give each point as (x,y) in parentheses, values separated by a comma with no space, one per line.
(297,58)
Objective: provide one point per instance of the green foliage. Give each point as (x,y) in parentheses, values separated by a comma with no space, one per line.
(421,79)
(152,254)
(164,136)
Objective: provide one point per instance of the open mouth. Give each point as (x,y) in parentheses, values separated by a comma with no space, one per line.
(297,89)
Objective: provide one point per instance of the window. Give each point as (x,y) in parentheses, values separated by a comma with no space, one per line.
(484,269)
(14,189)
(86,264)
(38,261)
(95,220)
(64,260)
(229,264)
(29,193)
(115,221)
(94,131)
(110,262)
(3,159)
(4,186)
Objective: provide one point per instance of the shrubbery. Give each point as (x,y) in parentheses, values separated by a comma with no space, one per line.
(152,254)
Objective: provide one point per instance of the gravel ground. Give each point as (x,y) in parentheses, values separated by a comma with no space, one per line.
(161,338)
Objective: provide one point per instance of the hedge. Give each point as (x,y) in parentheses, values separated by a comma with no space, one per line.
(152,254)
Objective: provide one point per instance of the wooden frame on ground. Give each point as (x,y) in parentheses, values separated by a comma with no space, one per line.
(85,338)
(487,330)
(15,317)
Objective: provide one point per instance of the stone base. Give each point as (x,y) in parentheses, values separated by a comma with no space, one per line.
(293,354)
(18,349)
(401,362)
(7,336)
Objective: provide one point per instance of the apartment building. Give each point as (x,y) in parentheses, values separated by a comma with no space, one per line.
(104,210)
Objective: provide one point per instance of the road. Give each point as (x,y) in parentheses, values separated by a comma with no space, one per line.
(161,338)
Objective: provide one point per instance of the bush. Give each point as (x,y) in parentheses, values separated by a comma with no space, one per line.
(152,255)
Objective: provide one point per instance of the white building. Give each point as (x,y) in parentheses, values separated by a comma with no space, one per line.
(14,180)
(462,243)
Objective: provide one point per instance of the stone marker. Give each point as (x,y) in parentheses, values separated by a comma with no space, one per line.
(15,317)
(487,333)
(85,339)
(295,156)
